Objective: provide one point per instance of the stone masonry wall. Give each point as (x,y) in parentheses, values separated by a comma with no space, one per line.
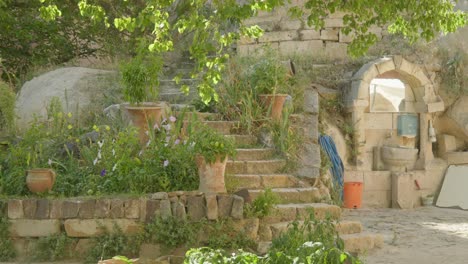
(83,218)
(293,36)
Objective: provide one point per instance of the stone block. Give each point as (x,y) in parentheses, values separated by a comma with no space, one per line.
(264,232)
(237,211)
(301,47)
(83,246)
(311,101)
(436,107)
(34,228)
(180,212)
(329,34)
(366,73)
(333,23)
(263,247)
(290,25)
(152,209)
(102,208)
(29,208)
(446,143)
(249,226)
(165,208)
(92,227)
(405,65)
(132,208)
(379,121)
(456,158)
(15,209)
(336,50)
(343,38)
(211,207)
(353,176)
(55,209)
(244,40)
(159,196)
(385,65)
(377,181)
(402,190)
(196,208)
(117,208)
(309,34)
(42,210)
(224,205)
(377,199)
(150,251)
(359,90)
(278,36)
(87,209)
(70,209)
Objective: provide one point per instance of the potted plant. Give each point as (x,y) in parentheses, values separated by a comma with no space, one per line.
(212,151)
(40,177)
(270,80)
(140,81)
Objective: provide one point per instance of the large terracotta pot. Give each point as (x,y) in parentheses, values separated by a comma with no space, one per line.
(144,116)
(274,103)
(211,175)
(40,180)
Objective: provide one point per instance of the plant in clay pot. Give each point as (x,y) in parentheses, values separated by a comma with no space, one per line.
(141,85)
(212,151)
(270,80)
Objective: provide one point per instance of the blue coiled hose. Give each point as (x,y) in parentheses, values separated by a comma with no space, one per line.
(337,168)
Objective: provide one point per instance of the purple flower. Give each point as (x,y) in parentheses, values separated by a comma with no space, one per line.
(103,172)
(177,142)
(166,163)
(172,119)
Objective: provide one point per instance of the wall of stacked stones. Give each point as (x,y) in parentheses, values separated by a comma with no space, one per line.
(293,36)
(84,218)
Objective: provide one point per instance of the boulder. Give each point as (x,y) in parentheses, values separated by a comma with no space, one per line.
(76,87)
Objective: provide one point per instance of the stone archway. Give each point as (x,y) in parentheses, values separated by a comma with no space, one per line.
(426,101)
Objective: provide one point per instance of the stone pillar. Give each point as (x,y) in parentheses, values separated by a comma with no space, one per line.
(358,121)
(425,145)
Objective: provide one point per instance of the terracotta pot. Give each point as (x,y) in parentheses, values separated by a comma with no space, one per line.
(40,180)
(144,116)
(274,103)
(211,175)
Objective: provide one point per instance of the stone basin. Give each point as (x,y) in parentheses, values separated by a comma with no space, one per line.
(399,158)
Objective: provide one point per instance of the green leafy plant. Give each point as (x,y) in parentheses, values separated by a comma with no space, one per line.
(210,144)
(263,205)
(7,109)
(223,235)
(454,77)
(53,248)
(171,232)
(7,251)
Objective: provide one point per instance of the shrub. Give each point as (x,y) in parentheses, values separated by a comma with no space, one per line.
(7,108)
(263,205)
(52,248)
(7,251)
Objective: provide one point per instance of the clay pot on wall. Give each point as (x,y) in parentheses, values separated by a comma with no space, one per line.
(274,103)
(40,180)
(211,175)
(144,115)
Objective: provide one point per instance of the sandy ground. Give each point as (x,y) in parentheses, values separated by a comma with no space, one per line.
(424,235)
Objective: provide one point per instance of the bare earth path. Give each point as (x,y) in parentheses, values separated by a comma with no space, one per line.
(426,235)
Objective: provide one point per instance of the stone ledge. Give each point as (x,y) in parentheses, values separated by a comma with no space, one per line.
(95,227)
(34,228)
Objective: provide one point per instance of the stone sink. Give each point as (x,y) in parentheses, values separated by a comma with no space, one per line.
(399,158)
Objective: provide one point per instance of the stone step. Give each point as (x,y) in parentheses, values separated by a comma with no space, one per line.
(362,242)
(301,211)
(343,227)
(261,181)
(244,140)
(223,127)
(255,167)
(254,153)
(292,195)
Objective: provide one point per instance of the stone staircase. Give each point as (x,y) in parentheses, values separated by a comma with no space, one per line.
(256,168)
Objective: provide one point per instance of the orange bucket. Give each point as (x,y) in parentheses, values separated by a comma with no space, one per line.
(353,195)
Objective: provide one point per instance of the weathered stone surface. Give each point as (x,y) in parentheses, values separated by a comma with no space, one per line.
(309,34)
(211,207)
(402,190)
(165,208)
(336,50)
(15,209)
(329,34)
(263,247)
(132,209)
(333,23)
(298,47)
(34,228)
(87,209)
(92,227)
(150,251)
(159,196)
(29,208)
(83,245)
(70,209)
(237,211)
(180,212)
(249,226)
(55,209)
(102,208)
(196,208)
(311,101)
(224,205)
(152,209)
(117,208)
(264,232)
(42,211)
(278,36)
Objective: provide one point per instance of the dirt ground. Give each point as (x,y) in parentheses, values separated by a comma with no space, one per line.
(424,235)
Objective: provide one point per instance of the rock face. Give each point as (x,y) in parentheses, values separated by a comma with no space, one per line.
(76,87)
(455,120)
